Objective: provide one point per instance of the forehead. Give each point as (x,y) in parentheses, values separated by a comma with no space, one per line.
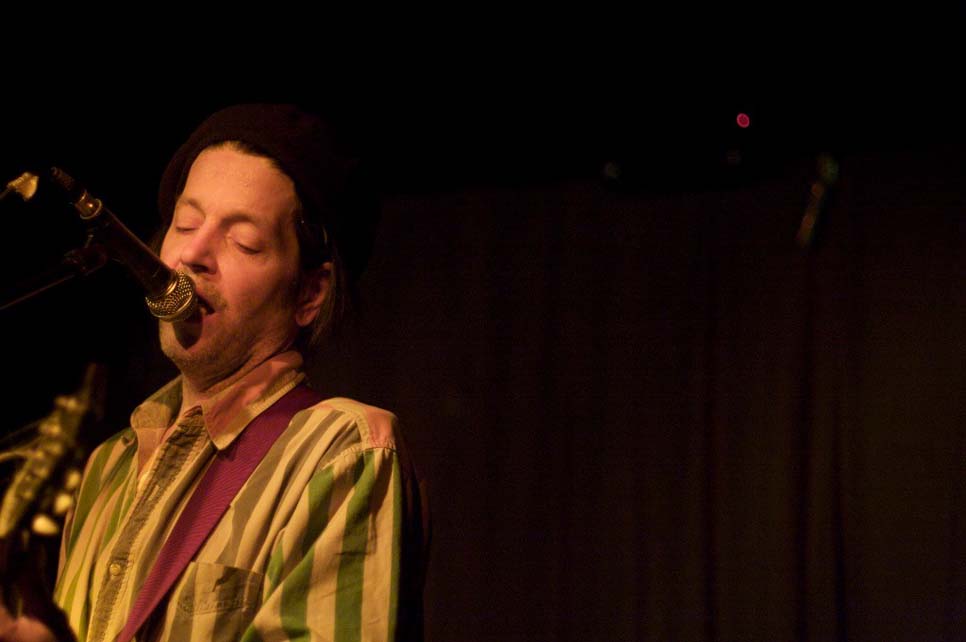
(225,181)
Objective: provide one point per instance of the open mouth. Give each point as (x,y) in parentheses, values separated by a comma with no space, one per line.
(204,306)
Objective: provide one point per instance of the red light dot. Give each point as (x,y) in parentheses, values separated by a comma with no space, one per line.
(743,120)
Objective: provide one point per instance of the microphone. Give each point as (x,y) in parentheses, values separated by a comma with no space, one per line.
(170,295)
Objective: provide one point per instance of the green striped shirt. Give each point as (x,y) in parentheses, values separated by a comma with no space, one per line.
(324,541)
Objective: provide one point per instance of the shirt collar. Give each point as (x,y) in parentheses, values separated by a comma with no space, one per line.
(226,414)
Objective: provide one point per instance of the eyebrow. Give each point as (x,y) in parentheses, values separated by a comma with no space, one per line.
(235,217)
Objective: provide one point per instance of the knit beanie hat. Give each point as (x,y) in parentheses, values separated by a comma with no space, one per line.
(339,202)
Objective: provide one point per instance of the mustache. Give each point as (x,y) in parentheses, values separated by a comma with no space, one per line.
(208,294)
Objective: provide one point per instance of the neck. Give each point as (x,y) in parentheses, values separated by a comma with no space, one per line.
(194,393)
(197,390)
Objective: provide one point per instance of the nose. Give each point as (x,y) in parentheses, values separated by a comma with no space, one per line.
(197,251)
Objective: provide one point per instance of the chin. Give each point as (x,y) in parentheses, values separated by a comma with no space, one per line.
(184,347)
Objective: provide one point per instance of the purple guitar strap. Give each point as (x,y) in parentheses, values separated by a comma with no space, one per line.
(226,475)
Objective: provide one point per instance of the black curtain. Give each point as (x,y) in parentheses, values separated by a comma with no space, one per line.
(652,415)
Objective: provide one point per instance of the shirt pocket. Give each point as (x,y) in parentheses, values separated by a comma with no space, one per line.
(213,601)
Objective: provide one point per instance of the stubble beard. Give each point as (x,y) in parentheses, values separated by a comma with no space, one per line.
(204,364)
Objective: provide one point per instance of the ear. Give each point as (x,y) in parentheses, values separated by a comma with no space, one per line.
(313,290)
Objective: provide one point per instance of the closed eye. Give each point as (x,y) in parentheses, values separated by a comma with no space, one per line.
(247,249)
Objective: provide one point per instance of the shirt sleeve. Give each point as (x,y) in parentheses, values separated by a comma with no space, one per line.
(337,570)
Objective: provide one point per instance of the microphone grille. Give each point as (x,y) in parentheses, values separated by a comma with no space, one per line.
(177,302)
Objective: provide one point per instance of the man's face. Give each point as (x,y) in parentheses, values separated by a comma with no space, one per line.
(233,231)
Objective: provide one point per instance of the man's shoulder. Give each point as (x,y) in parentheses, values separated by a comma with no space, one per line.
(114,453)
(121,441)
(376,427)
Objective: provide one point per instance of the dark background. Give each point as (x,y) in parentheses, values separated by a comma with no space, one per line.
(643,411)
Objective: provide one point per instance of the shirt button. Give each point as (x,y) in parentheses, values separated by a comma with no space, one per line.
(115,569)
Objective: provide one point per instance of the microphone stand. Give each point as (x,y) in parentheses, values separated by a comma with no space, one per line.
(170,294)
(80,261)
(77,262)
